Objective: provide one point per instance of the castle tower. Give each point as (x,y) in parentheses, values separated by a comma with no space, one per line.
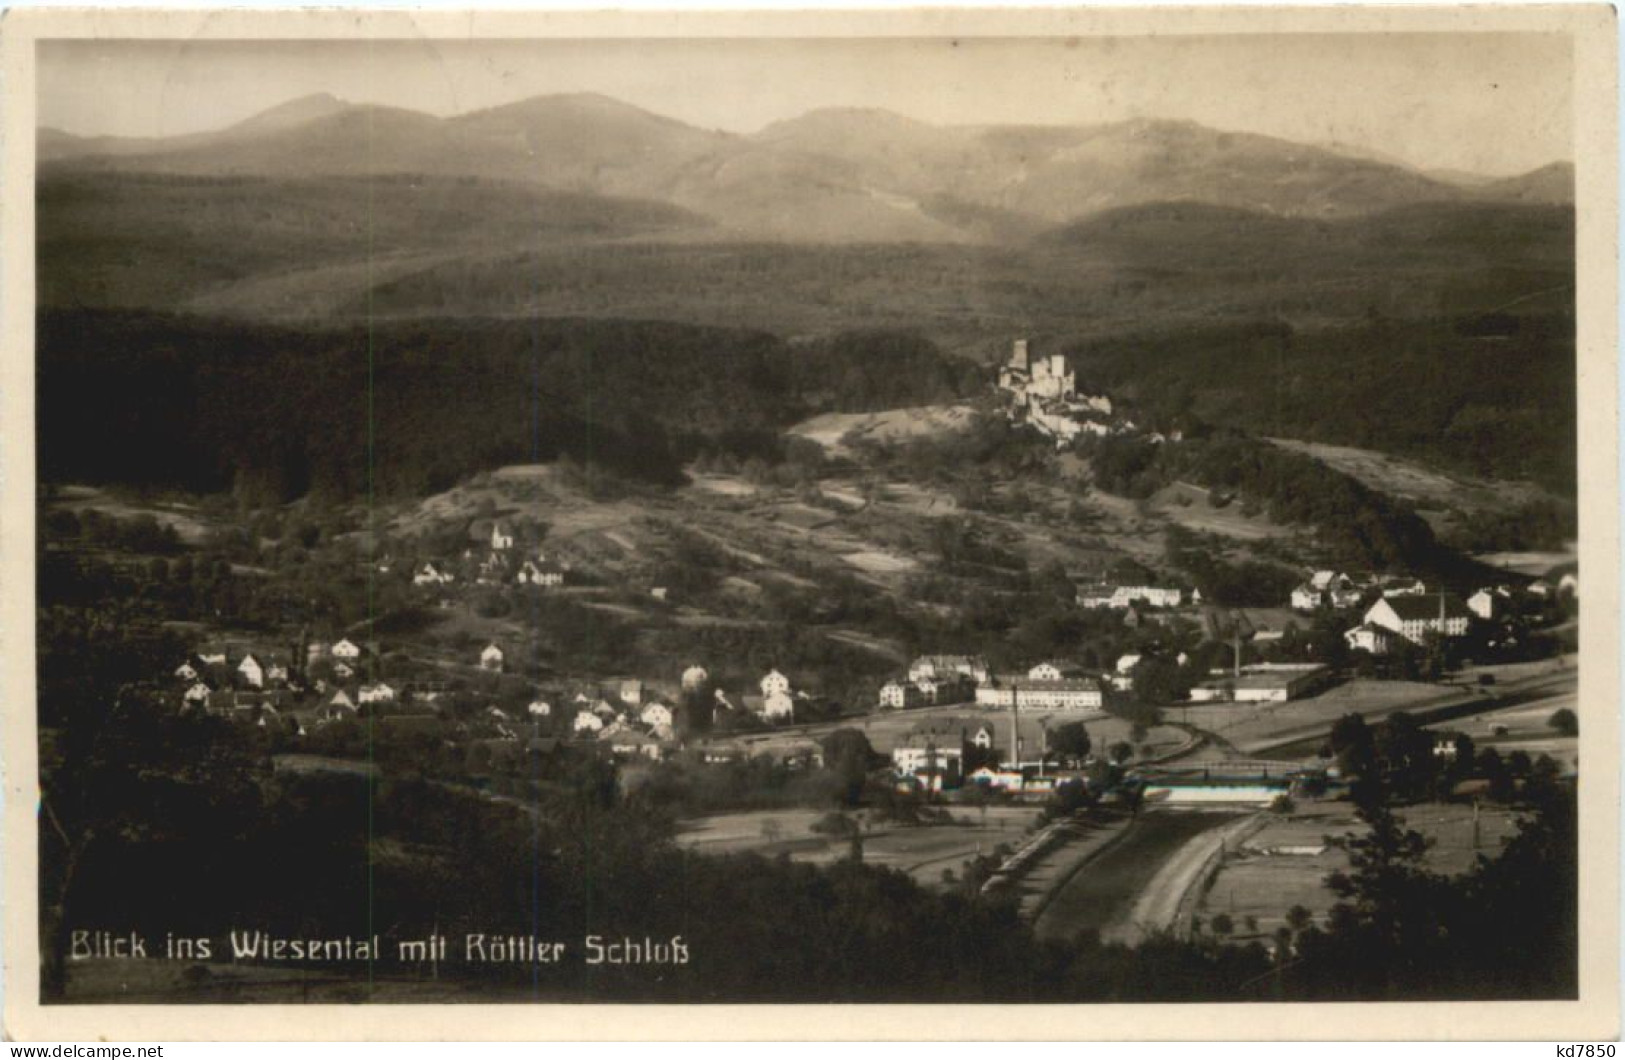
(1018,355)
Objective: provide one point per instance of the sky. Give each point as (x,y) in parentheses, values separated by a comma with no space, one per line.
(1490,103)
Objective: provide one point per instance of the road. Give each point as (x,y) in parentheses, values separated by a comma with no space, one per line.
(1159,902)
(1105,891)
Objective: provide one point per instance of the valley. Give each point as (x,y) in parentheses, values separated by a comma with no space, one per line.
(908,560)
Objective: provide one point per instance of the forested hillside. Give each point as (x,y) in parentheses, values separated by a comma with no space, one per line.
(1489,394)
(412,407)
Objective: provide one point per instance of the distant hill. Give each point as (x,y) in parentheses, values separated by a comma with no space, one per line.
(1548,184)
(839,175)
(251,246)
(331,248)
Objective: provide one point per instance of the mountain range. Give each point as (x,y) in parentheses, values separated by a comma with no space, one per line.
(833,175)
(1313,289)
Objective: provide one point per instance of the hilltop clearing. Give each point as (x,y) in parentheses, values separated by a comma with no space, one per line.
(1428,488)
(837,432)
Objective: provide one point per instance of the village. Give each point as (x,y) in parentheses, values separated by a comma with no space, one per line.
(481,699)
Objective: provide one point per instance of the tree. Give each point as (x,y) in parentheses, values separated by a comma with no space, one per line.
(1492,768)
(1071,742)
(1353,745)
(1565,721)
(1223,925)
(1405,752)
(1121,751)
(848,755)
(1159,681)
(1392,911)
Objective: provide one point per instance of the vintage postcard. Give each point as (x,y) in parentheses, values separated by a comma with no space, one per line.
(1076,519)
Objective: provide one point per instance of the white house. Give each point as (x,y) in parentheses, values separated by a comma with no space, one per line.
(1366,637)
(1486,603)
(930,688)
(926,754)
(775,683)
(196,694)
(1154,595)
(1065,694)
(778,706)
(186,672)
(1306,598)
(341,701)
(1413,617)
(694,677)
(212,659)
(1346,597)
(501,536)
(544,574)
(982,737)
(631,692)
(345,649)
(634,744)
(899,695)
(656,714)
(1054,671)
(251,671)
(973,667)
(491,658)
(378,693)
(587,721)
(1327,580)
(539,708)
(429,574)
(1569,585)
(343,670)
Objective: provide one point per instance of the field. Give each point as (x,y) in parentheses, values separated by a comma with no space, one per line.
(189,525)
(1533,564)
(837,432)
(1277,868)
(1527,729)
(1425,487)
(1253,727)
(1188,506)
(925,852)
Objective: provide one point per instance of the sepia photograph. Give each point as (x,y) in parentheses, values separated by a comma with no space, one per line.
(985,512)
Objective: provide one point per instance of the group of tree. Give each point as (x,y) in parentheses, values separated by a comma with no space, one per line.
(1504,407)
(1356,525)
(409,408)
